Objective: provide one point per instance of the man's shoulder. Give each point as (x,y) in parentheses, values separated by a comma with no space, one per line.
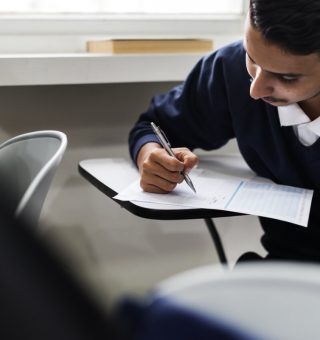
(230,59)
(231,51)
(236,46)
(231,54)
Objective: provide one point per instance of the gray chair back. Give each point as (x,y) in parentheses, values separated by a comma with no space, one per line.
(28,163)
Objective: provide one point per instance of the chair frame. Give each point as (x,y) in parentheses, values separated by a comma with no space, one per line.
(44,170)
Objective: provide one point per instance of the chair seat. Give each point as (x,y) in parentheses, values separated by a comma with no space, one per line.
(273,300)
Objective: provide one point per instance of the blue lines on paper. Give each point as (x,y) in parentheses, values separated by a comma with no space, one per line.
(235,192)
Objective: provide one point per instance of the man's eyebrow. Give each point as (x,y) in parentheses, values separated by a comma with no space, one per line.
(276,73)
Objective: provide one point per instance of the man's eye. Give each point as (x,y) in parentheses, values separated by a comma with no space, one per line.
(288,79)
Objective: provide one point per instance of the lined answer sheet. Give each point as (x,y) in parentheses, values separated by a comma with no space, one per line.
(249,195)
(281,202)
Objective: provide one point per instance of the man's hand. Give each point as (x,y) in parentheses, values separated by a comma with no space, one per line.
(160,173)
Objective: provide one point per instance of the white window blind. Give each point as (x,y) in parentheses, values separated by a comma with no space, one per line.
(122,6)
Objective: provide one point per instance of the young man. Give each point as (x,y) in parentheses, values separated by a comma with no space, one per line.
(265,92)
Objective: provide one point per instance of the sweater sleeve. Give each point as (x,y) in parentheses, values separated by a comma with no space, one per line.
(195,114)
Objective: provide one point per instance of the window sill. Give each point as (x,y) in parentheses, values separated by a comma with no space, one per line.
(83,68)
(77,67)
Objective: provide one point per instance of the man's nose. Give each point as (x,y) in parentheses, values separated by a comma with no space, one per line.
(261,85)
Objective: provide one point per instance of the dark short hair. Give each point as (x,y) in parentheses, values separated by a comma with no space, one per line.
(293,25)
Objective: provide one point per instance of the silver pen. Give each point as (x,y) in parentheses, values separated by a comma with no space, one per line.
(166,145)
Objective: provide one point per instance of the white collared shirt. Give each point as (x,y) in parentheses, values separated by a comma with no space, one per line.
(307,131)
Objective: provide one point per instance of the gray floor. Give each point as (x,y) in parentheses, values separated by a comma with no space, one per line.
(115,252)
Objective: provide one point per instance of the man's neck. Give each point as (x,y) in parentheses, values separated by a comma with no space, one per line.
(311,107)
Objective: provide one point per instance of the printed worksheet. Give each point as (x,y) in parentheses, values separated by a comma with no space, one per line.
(249,195)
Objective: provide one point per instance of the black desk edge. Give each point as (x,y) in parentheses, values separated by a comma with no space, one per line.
(156,214)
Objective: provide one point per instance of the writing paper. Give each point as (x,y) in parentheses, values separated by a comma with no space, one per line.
(249,195)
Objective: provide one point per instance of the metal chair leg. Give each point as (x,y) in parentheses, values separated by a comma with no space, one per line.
(216,240)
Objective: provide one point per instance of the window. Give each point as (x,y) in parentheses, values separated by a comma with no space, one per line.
(123,6)
(64,26)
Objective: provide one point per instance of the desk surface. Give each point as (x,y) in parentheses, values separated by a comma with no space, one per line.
(111,175)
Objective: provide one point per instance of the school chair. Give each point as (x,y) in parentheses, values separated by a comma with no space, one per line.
(259,300)
(28,163)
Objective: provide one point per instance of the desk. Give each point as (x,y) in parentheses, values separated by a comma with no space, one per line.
(111,175)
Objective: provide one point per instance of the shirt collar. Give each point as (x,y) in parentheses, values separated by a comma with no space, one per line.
(294,115)
(314,126)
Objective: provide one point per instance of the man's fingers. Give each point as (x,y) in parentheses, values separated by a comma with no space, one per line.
(168,162)
(151,169)
(156,184)
(189,159)
(160,172)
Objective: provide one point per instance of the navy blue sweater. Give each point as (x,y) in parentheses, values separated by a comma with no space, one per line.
(211,107)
